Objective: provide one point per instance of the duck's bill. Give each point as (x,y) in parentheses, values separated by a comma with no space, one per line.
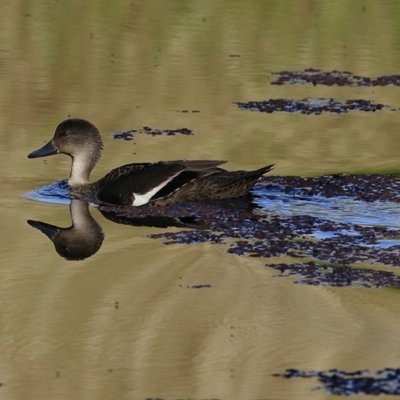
(47,150)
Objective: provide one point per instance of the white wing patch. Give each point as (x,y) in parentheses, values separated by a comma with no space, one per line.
(144,198)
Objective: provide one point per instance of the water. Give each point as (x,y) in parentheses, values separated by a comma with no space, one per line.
(126,323)
(337,209)
(56,193)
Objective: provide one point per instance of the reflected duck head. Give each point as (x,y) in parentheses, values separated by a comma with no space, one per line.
(69,243)
(80,140)
(81,240)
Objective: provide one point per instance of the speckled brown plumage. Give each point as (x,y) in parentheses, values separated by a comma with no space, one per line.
(160,183)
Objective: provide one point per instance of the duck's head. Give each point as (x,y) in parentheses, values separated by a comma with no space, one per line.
(79,139)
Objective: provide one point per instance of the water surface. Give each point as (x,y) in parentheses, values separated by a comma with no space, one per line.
(125,323)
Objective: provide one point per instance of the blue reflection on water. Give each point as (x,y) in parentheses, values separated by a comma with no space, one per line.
(337,209)
(56,192)
(276,202)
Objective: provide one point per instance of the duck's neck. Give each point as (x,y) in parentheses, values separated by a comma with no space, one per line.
(80,170)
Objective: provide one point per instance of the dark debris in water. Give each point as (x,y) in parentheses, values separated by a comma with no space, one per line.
(312,273)
(311,106)
(167,132)
(188,111)
(330,78)
(362,187)
(342,383)
(128,135)
(204,286)
(331,260)
(180,398)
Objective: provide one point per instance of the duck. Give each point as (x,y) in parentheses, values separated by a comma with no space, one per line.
(159,183)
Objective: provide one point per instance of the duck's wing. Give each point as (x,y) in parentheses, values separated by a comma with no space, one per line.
(121,171)
(137,184)
(220,185)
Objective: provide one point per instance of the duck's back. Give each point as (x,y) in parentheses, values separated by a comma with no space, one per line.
(152,181)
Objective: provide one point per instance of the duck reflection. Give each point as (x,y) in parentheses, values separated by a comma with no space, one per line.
(85,236)
(79,241)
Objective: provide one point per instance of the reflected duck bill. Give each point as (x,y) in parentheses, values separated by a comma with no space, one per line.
(48,229)
(47,150)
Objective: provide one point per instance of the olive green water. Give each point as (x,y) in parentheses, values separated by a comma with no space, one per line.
(123,324)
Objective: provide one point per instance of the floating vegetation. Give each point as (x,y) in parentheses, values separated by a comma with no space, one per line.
(312,273)
(383,381)
(330,78)
(311,106)
(326,246)
(359,186)
(204,286)
(128,135)
(188,111)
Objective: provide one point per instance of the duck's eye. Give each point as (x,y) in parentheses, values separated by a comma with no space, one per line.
(64,134)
